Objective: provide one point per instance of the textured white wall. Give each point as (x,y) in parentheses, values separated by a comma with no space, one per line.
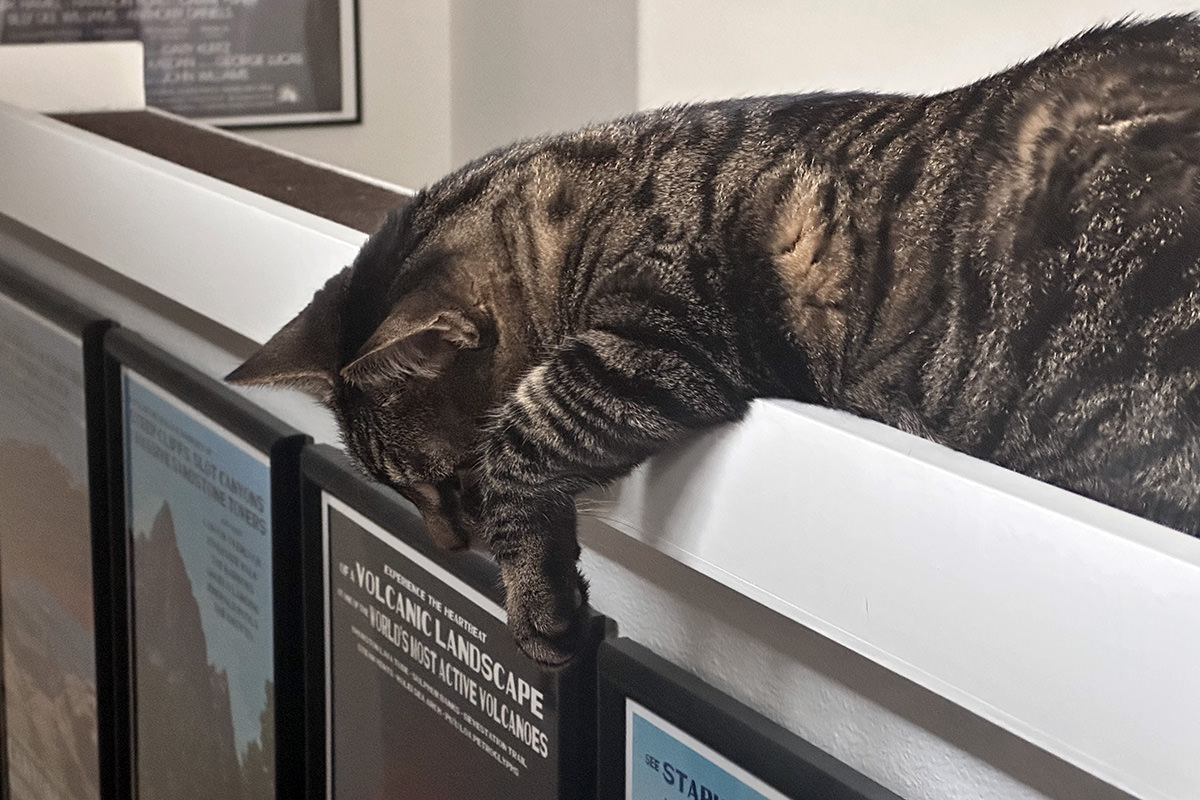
(908,739)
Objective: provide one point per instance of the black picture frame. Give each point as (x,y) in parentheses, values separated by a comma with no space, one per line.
(131,361)
(267,63)
(709,725)
(88,327)
(344,512)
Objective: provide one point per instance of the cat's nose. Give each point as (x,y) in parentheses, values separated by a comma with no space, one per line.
(445,532)
(467,491)
(438,507)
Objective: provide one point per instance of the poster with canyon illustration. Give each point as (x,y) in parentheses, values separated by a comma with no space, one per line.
(199,517)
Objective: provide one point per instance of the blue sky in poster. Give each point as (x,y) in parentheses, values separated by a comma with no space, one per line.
(203,518)
(41,366)
(667,764)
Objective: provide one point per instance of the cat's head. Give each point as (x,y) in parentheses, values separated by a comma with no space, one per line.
(405,348)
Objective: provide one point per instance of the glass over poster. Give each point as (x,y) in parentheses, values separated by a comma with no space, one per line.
(206,595)
(229,62)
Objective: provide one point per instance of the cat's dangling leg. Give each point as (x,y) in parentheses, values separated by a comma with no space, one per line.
(604,402)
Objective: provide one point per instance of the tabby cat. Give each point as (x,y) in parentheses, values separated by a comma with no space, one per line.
(1011,268)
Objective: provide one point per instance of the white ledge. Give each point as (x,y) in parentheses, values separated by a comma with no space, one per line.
(241,259)
(1069,623)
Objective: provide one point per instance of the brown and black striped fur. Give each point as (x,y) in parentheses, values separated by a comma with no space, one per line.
(1011,268)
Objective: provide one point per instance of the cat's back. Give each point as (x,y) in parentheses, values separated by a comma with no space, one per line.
(1013,266)
(1068,346)
(1123,98)
(1114,65)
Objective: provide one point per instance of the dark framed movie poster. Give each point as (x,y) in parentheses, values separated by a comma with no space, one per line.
(665,734)
(209,502)
(228,62)
(53,566)
(427,695)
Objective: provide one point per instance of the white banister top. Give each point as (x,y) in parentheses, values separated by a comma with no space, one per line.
(243,260)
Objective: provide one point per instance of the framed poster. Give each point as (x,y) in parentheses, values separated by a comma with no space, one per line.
(54,586)
(426,694)
(666,734)
(209,508)
(227,62)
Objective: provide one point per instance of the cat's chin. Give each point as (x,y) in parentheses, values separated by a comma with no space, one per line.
(450,526)
(445,534)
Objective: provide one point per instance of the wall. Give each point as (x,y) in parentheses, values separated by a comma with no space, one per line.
(703,50)
(444,81)
(527,67)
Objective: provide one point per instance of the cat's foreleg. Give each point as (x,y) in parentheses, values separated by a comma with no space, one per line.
(604,402)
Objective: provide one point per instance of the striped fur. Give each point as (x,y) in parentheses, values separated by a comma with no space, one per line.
(1011,268)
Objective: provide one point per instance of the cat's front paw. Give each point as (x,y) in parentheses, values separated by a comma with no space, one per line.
(546,617)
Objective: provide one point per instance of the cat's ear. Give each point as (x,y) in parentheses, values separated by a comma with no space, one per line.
(419,338)
(303,354)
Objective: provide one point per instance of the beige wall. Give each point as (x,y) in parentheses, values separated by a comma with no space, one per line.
(526,67)
(444,81)
(693,49)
